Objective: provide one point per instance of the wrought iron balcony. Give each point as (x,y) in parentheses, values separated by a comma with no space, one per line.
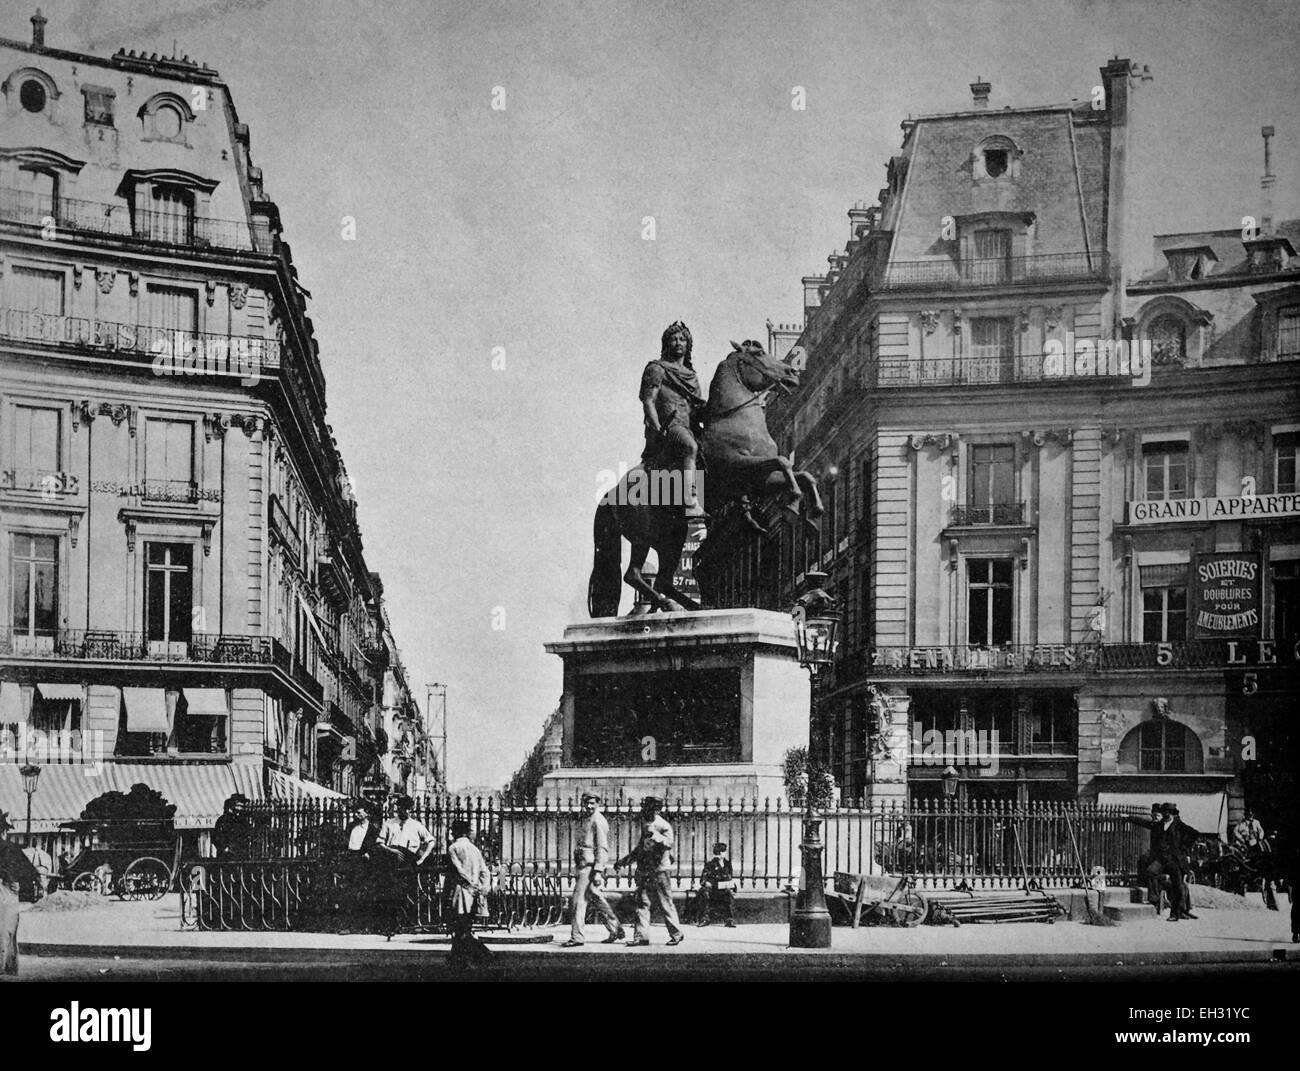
(179,353)
(1086,657)
(119,220)
(982,370)
(201,648)
(953,274)
(995,513)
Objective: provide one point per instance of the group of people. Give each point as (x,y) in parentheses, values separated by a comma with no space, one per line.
(652,861)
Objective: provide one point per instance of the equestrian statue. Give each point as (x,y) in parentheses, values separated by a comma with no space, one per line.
(724,440)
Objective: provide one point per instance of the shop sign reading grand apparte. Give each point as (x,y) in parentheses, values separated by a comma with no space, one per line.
(1226,595)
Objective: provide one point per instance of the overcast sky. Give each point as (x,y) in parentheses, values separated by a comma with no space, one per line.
(522,229)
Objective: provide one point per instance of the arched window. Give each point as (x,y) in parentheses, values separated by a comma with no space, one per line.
(1168,335)
(1162,746)
(996,157)
(164,116)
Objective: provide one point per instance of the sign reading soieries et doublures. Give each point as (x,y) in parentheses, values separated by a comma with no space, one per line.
(1226,595)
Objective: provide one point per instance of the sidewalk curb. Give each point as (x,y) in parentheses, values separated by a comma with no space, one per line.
(519,949)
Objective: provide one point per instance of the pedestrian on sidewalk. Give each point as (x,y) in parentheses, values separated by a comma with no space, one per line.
(406,837)
(1176,839)
(14,870)
(718,886)
(653,858)
(465,887)
(590,860)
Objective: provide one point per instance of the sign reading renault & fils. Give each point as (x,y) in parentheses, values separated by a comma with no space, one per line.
(1226,595)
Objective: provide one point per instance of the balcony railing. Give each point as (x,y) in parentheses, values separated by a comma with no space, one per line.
(996,513)
(180,353)
(947,272)
(979,371)
(1067,658)
(119,221)
(106,645)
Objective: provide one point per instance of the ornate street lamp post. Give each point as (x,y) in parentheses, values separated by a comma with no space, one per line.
(31,774)
(816,621)
(950,777)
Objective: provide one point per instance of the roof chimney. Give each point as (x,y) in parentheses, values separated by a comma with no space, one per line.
(1266,184)
(979,89)
(38,29)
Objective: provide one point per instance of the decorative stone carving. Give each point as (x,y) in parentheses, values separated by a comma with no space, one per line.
(1113,437)
(130,534)
(238,295)
(134,279)
(1052,316)
(210,289)
(929,320)
(77,270)
(1064,436)
(940,440)
(105,277)
(215,426)
(249,423)
(1024,319)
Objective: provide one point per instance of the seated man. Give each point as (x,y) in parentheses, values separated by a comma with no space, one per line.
(718,886)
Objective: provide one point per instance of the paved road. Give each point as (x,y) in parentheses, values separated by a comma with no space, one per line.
(524,966)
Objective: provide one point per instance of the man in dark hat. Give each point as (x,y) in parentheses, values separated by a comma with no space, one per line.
(233,833)
(590,858)
(653,856)
(672,402)
(1171,857)
(718,887)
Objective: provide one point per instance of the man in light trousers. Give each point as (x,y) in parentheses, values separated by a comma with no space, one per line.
(653,856)
(590,858)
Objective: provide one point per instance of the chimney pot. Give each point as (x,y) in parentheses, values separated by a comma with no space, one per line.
(38,29)
(980,90)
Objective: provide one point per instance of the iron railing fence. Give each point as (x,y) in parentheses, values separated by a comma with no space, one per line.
(334,894)
(987,844)
(174,352)
(120,220)
(954,273)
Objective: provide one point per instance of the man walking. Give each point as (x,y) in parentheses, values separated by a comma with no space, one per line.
(653,857)
(590,858)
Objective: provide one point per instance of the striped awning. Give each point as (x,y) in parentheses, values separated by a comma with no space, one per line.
(284,787)
(199,792)
(73,692)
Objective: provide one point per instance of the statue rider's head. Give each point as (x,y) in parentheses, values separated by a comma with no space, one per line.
(673,338)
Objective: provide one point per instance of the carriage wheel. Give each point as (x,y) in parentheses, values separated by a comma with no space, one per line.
(84,882)
(146,878)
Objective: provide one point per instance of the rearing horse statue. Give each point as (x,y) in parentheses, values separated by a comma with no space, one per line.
(742,463)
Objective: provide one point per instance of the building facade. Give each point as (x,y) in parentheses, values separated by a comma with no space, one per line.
(1061,509)
(185,592)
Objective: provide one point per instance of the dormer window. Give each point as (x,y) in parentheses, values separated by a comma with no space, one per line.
(32,96)
(99,105)
(996,157)
(1190,262)
(1168,336)
(165,116)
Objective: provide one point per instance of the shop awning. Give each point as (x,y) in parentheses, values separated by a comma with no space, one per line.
(11,704)
(284,787)
(73,692)
(208,701)
(199,792)
(146,710)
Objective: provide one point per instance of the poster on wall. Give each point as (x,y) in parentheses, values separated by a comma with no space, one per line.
(1226,595)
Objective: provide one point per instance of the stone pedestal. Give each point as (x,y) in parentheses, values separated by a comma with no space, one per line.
(700,705)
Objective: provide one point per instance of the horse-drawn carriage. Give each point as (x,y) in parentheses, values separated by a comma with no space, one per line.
(130,859)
